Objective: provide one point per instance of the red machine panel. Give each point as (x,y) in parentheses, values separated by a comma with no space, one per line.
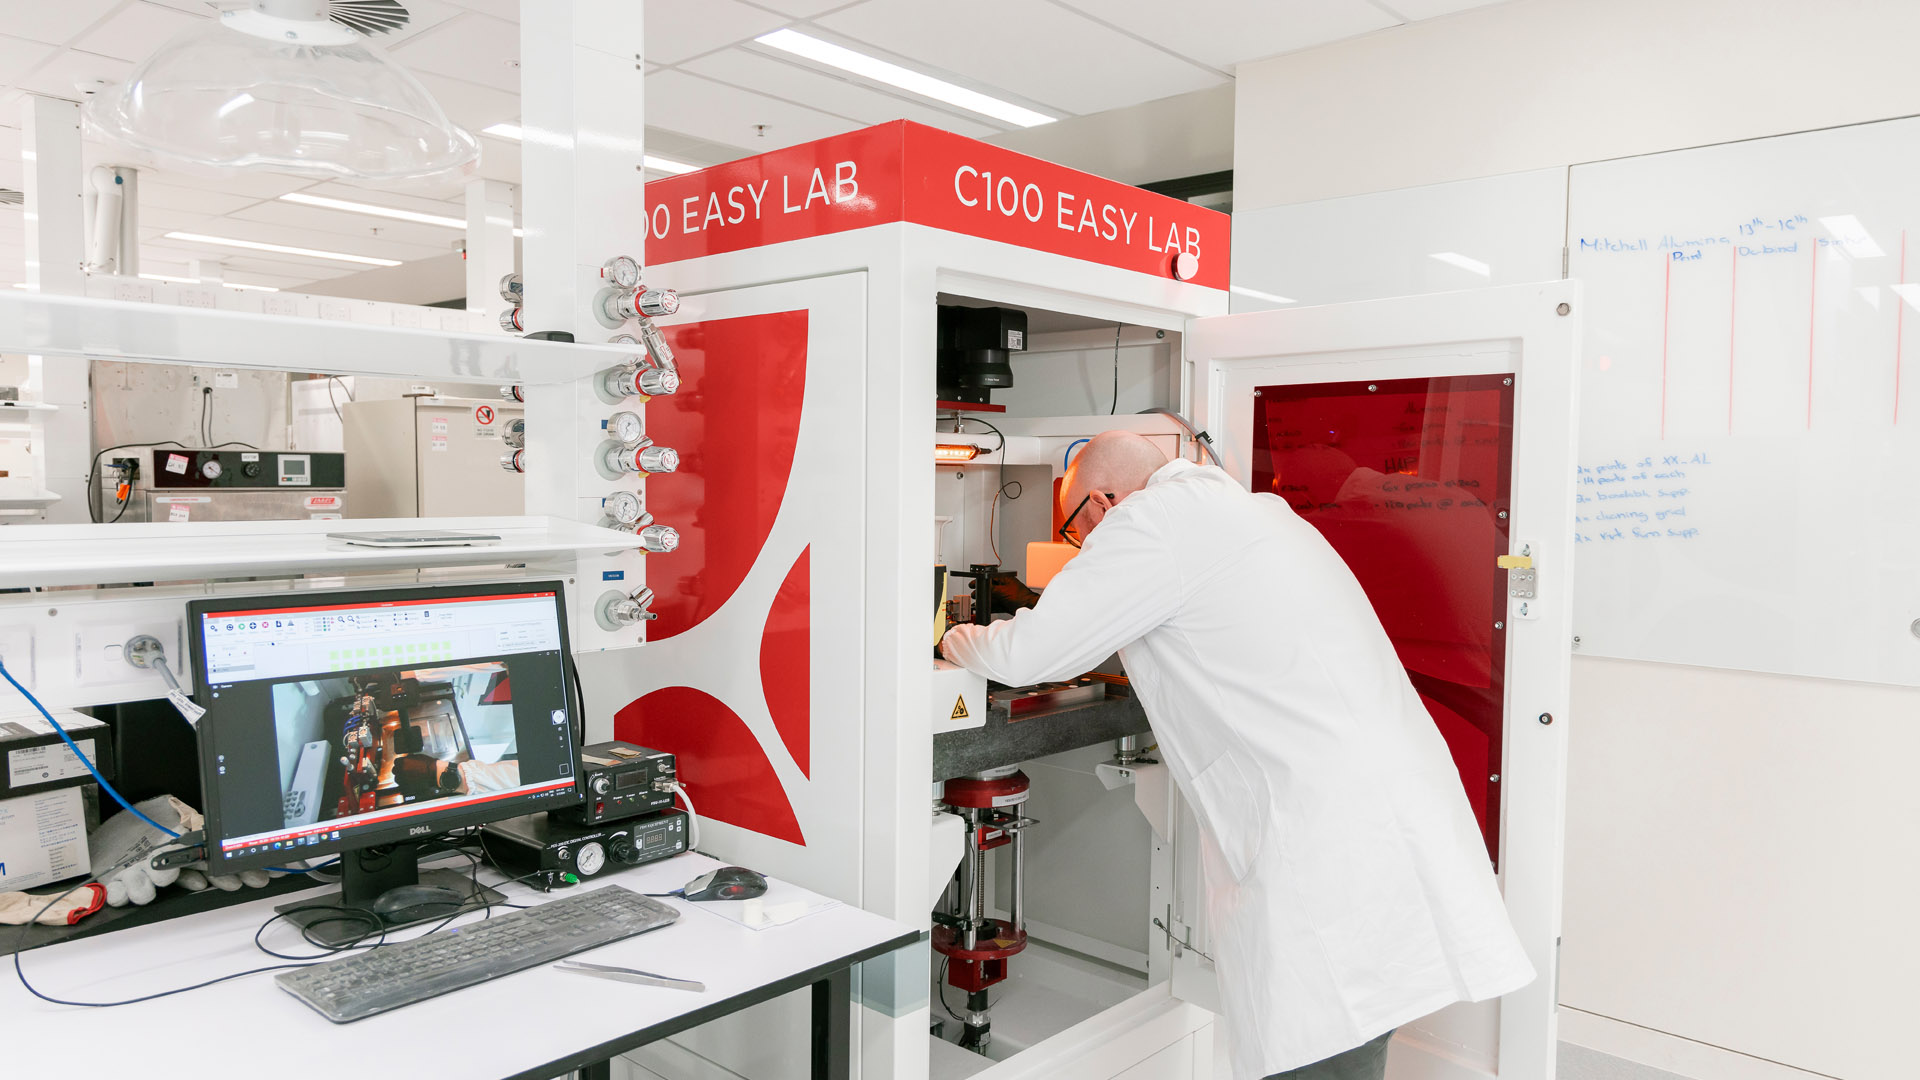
(1410,481)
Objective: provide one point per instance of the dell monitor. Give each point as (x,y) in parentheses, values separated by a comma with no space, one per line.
(363,722)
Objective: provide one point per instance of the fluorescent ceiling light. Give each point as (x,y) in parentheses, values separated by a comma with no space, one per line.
(249,288)
(1471,266)
(657,164)
(283,249)
(1256,294)
(868,67)
(171,278)
(1852,236)
(441,220)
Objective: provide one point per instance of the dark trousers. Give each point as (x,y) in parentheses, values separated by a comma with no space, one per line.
(1367,1061)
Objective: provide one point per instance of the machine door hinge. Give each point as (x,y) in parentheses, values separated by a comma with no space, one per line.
(1184,944)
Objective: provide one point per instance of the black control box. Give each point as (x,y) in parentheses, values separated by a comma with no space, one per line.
(247,469)
(537,844)
(621,780)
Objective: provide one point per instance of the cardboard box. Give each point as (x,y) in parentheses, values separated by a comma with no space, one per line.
(33,759)
(43,839)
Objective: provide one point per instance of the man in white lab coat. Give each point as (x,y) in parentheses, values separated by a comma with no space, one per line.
(1348,885)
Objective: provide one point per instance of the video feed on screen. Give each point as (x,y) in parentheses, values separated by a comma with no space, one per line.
(387,737)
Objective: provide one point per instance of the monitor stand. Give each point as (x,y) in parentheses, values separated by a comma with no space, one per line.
(368,874)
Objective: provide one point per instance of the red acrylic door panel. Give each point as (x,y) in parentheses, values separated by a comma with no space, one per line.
(1409,480)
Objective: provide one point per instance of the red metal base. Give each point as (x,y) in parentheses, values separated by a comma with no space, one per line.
(983,965)
(986,794)
(968,406)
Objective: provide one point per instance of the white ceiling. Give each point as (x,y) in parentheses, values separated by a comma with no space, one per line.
(712,93)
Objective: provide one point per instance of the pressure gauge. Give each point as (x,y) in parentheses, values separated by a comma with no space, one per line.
(625,427)
(211,470)
(512,289)
(621,271)
(623,507)
(590,859)
(516,434)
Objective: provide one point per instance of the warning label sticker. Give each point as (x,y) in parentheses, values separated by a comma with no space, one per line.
(959,708)
(483,414)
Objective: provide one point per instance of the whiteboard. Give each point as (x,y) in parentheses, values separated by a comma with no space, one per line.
(1750,413)
(1468,234)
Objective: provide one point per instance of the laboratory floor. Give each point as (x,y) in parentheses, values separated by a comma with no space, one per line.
(1581,1063)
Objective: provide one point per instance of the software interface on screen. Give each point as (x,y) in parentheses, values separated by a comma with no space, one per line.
(332,719)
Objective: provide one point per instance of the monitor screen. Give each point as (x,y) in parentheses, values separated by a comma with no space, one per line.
(348,719)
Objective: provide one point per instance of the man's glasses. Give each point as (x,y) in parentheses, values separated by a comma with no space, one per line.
(1068,524)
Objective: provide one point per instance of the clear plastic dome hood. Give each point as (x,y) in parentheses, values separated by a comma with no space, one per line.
(287,85)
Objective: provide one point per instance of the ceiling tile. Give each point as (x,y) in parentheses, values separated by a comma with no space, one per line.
(704,109)
(134,32)
(1427,9)
(805,9)
(1110,69)
(18,55)
(679,29)
(469,47)
(57,21)
(58,77)
(193,198)
(472,107)
(1260,28)
(346,227)
(791,82)
(499,9)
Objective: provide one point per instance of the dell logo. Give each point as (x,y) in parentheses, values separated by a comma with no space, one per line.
(419,830)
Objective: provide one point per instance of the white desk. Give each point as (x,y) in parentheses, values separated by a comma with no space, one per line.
(535,1025)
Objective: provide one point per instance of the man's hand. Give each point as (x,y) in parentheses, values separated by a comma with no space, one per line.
(1011,594)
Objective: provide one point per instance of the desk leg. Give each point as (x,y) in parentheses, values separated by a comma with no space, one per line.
(833,1026)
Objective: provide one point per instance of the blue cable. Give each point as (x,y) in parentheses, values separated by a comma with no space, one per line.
(1067,461)
(62,732)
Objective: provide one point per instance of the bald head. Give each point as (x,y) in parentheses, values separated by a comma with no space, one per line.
(1114,465)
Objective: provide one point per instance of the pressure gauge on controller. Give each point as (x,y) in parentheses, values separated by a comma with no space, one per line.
(621,271)
(623,507)
(590,859)
(625,427)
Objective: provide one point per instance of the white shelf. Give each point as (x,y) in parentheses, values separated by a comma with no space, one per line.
(44,555)
(130,330)
(38,500)
(27,406)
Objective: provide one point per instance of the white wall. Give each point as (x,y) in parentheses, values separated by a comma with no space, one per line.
(1736,870)
(1184,135)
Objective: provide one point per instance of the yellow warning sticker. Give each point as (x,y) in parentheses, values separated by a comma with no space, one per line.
(959,708)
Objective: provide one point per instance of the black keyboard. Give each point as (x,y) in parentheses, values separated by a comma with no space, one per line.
(453,959)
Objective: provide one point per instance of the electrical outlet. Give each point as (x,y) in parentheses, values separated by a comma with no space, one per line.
(129,466)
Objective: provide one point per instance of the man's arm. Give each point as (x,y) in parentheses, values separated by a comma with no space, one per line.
(1125,582)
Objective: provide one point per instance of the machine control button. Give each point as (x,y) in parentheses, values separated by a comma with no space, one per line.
(600,784)
(658,459)
(657,382)
(1186,266)
(655,303)
(250,470)
(643,457)
(659,539)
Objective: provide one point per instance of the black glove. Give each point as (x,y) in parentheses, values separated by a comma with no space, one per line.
(1011,594)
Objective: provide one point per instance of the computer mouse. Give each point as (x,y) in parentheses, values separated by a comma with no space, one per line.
(726,883)
(410,902)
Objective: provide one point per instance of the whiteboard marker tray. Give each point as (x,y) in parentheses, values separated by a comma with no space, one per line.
(43,555)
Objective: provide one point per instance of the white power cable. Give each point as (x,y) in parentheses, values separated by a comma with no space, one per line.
(693,818)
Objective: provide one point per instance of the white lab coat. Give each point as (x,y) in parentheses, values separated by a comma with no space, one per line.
(1348,885)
